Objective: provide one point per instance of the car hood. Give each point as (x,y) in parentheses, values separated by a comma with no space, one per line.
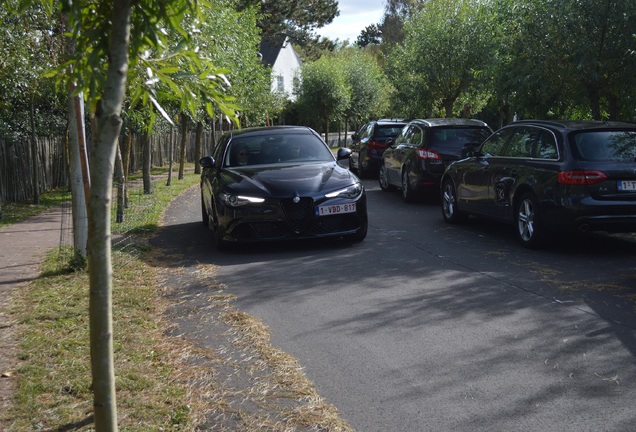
(306,179)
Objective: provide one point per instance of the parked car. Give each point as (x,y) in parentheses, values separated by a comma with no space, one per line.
(369,143)
(279,183)
(416,160)
(546,177)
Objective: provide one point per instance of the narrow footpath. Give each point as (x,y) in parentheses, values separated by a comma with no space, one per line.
(22,247)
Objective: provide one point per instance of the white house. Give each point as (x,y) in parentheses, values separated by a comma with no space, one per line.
(285,63)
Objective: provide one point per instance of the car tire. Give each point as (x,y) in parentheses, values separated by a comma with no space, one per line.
(407,191)
(529,228)
(383,179)
(205,218)
(362,173)
(449,204)
(221,245)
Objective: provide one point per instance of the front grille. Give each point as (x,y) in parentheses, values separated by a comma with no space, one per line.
(333,224)
(297,214)
(269,230)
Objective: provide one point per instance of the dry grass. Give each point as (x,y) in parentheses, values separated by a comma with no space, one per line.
(239,381)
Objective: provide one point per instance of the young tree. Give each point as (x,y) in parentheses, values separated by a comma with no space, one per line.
(323,94)
(448,43)
(118,35)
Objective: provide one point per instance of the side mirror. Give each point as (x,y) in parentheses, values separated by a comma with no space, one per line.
(355,136)
(390,142)
(343,153)
(207,162)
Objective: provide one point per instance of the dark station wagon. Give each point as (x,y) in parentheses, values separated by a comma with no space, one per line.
(415,161)
(546,177)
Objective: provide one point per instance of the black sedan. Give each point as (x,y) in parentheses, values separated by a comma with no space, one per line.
(279,183)
(546,177)
(415,161)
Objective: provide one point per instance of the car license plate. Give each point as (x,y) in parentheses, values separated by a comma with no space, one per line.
(327,210)
(627,185)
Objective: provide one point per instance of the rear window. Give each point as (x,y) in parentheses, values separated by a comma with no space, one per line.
(456,138)
(389,131)
(618,146)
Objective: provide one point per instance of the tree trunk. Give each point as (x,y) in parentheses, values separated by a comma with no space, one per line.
(198,148)
(80,183)
(171,156)
(34,155)
(108,125)
(119,175)
(184,139)
(125,162)
(147,162)
(614,107)
(595,101)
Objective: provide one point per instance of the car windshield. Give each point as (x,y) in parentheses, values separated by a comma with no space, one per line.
(617,146)
(273,149)
(456,138)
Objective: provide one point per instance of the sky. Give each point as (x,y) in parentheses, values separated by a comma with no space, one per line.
(355,16)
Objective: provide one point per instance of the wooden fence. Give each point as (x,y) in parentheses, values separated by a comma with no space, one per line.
(17,161)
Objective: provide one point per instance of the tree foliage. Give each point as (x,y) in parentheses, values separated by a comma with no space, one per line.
(297,19)
(323,94)
(448,46)
(563,58)
(371,34)
(30,44)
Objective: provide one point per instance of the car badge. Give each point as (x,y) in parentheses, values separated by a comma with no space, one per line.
(296,199)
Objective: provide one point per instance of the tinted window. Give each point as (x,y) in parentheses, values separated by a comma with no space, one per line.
(405,135)
(388,131)
(276,148)
(546,147)
(520,144)
(495,144)
(456,137)
(605,146)
(416,136)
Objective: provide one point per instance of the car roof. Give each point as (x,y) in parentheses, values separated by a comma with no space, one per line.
(433,122)
(391,121)
(575,124)
(270,130)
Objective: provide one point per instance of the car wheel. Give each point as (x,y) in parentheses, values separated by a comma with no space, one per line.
(221,245)
(205,218)
(530,229)
(407,191)
(362,173)
(383,179)
(449,204)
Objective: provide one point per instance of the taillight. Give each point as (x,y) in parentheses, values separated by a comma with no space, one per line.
(582,177)
(375,145)
(427,154)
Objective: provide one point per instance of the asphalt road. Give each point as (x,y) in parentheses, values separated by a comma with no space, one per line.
(430,327)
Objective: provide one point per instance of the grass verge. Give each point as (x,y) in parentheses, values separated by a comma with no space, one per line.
(51,314)
(165,381)
(15,212)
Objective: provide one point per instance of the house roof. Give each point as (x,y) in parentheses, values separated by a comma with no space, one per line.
(270,48)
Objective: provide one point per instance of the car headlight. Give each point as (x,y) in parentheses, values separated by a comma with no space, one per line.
(351,192)
(239,200)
